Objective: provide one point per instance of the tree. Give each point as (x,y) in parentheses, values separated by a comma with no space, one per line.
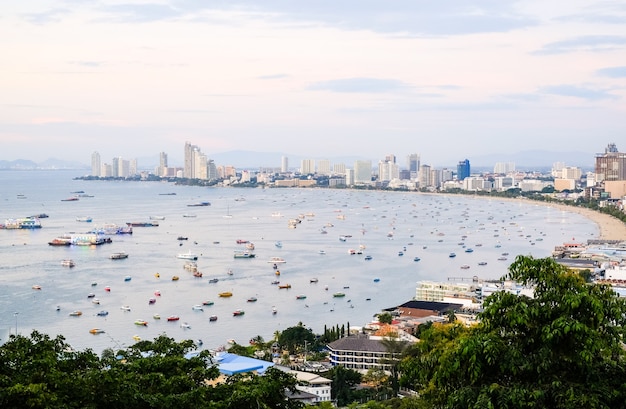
(561,348)
(293,338)
(385,318)
(344,380)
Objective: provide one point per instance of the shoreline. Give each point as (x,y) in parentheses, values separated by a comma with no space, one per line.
(610,227)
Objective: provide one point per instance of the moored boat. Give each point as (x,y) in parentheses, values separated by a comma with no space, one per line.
(284,286)
(76,313)
(339,295)
(244,254)
(118,256)
(173,318)
(213,318)
(276,260)
(85,219)
(225,294)
(238,313)
(96,331)
(68,263)
(300,297)
(141,322)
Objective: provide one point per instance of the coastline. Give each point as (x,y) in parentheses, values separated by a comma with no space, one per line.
(610,227)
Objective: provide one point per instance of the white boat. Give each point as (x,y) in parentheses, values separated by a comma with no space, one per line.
(118,256)
(276,260)
(187,256)
(157,217)
(85,219)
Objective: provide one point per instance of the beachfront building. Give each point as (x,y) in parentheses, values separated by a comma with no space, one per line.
(413,165)
(307,166)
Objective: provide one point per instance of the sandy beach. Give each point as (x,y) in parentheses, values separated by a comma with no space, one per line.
(610,227)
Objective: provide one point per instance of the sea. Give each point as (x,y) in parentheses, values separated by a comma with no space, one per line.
(397,239)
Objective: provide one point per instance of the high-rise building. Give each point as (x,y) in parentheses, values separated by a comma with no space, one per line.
(162,169)
(463,169)
(423,176)
(339,168)
(363,171)
(413,164)
(323,167)
(307,166)
(195,163)
(388,169)
(115,167)
(611,165)
(503,168)
(284,164)
(189,160)
(96,164)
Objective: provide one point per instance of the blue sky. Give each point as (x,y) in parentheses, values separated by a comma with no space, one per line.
(446,79)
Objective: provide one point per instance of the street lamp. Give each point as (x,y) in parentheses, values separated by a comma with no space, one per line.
(15,313)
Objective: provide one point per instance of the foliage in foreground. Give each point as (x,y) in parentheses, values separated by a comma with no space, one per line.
(41,372)
(560,349)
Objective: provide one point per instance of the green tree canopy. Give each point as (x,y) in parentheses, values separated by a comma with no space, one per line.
(561,348)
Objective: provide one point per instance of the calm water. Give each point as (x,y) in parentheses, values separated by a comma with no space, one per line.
(425,226)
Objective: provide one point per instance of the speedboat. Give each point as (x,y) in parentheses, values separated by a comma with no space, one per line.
(197,307)
(96,331)
(173,318)
(141,322)
(76,313)
(68,263)
(118,256)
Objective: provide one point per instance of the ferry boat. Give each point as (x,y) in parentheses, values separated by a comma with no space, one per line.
(244,254)
(22,223)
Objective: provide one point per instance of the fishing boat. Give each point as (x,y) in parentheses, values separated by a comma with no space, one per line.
(213,280)
(368,257)
(469,250)
(225,294)
(102,313)
(465,266)
(451,255)
(213,318)
(482,263)
(300,297)
(175,278)
(238,313)
(313,280)
(76,313)
(284,286)
(208,302)
(339,295)
(416,259)
(252,299)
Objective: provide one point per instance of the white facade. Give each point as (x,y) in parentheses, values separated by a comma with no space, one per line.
(363,172)
(339,168)
(307,166)
(323,167)
(423,176)
(504,167)
(284,164)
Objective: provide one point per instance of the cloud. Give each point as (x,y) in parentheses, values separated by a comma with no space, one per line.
(141,13)
(593,43)
(418,18)
(359,85)
(45,17)
(577,92)
(612,72)
(87,63)
(273,77)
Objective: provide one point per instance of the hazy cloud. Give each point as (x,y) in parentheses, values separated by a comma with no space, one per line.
(586,43)
(365,85)
(141,13)
(612,72)
(87,63)
(577,92)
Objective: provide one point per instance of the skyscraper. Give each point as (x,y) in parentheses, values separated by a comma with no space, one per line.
(307,166)
(96,165)
(363,171)
(463,169)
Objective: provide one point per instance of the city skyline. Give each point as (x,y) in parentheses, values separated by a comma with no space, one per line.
(449,81)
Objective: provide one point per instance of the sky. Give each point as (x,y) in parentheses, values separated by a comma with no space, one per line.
(442,78)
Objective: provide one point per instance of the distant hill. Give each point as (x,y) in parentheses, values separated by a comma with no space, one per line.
(51,163)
